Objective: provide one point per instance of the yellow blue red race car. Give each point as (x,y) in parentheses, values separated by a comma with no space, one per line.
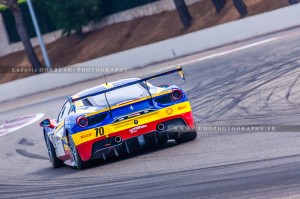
(118,118)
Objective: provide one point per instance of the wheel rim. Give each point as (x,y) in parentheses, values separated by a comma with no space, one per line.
(49,150)
(73,151)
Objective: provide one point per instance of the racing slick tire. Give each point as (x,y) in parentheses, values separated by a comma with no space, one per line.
(186,137)
(56,163)
(75,156)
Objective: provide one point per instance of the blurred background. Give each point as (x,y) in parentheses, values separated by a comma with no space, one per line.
(76,31)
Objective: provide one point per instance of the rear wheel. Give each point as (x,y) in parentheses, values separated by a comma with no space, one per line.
(75,156)
(56,163)
(186,137)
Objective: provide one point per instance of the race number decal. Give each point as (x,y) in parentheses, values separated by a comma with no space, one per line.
(99,131)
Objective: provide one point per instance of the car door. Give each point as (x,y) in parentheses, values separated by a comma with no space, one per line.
(59,132)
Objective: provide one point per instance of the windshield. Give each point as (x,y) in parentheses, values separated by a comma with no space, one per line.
(119,96)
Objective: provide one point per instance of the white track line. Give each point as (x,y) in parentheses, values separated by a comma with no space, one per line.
(237,49)
(223,53)
(35,119)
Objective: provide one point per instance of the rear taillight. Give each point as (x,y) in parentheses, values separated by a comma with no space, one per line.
(176,94)
(82,121)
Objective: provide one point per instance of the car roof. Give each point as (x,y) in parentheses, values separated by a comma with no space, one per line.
(103,87)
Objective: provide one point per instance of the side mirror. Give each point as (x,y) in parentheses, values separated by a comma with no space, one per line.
(45,123)
(48,123)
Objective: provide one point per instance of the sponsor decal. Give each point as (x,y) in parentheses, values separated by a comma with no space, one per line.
(135,129)
(140,113)
(86,135)
(169,111)
(136,122)
(131,107)
(133,115)
(182,107)
(12,125)
(123,125)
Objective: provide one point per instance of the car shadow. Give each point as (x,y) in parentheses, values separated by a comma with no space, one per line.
(114,159)
(51,173)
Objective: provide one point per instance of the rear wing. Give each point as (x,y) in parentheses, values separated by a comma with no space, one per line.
(178,69)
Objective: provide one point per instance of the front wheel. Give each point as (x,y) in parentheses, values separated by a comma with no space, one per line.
(186,137)
(75,156)
(56,163)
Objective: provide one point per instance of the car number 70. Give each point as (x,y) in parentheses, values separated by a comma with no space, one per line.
(99,131)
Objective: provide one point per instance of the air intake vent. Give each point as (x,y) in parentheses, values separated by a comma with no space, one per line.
(165,99)
(96,119)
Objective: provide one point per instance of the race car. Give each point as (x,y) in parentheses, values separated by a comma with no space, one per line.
(118,118)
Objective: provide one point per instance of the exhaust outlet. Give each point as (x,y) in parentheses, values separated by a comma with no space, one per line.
(118,139)
(161,127)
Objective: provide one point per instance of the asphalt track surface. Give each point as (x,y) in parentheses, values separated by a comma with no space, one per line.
(258,85)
